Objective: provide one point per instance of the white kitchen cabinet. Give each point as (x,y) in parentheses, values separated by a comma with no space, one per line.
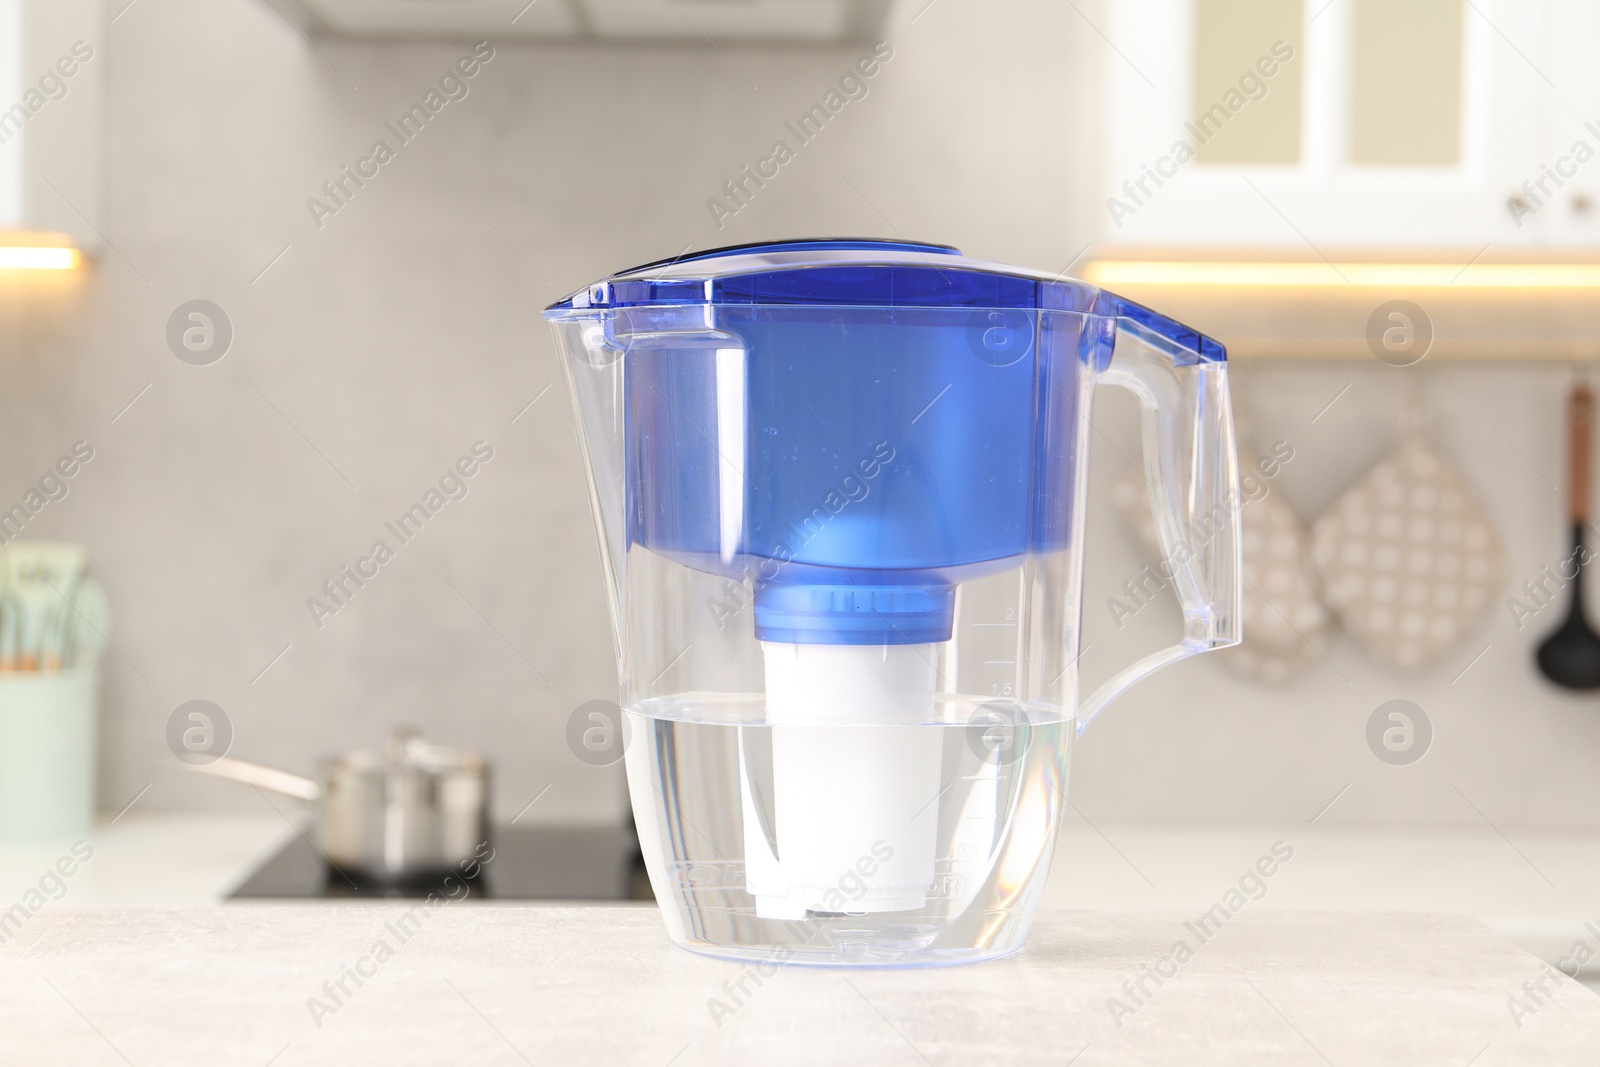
(1569,164)
(1528,94)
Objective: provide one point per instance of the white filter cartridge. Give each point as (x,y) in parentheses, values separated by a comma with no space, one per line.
(855,773)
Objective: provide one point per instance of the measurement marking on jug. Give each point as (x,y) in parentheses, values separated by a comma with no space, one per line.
(999,663)
(994,626)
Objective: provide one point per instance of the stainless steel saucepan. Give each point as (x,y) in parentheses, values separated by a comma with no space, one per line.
(410,810)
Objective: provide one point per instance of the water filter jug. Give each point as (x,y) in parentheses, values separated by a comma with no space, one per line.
(839,487)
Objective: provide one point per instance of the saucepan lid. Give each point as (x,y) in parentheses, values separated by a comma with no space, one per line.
(406,752)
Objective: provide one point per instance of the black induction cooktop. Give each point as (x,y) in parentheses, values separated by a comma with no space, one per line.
(529,863)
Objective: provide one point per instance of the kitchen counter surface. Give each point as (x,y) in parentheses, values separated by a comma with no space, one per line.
(1540,886)
(511,985)
(163,858)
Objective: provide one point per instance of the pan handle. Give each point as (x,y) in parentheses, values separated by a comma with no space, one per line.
(269,778)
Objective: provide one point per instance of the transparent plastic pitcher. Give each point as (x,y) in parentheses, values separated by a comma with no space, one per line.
(839,487)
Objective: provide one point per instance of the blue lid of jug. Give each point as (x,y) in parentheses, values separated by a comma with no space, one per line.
(862,272)
(846,272)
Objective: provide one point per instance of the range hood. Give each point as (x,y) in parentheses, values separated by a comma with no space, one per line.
(688,21)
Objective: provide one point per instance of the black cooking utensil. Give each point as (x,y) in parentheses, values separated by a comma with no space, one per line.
(1570,657)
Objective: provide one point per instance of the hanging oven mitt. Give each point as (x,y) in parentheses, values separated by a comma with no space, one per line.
(1407,557)
(1280,612)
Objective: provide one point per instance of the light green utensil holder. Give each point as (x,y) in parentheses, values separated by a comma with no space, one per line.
(47,753)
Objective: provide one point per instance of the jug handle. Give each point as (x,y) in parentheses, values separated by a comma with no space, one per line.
(1191,466)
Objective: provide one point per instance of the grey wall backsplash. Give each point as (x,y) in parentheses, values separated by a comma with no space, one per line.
(376,345)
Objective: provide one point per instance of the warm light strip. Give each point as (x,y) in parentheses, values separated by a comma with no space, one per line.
(21,257)
(1372,275)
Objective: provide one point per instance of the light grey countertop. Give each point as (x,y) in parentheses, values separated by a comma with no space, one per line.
(552,985)
(1540,886)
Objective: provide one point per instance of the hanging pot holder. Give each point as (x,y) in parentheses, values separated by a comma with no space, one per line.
(1408,558)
